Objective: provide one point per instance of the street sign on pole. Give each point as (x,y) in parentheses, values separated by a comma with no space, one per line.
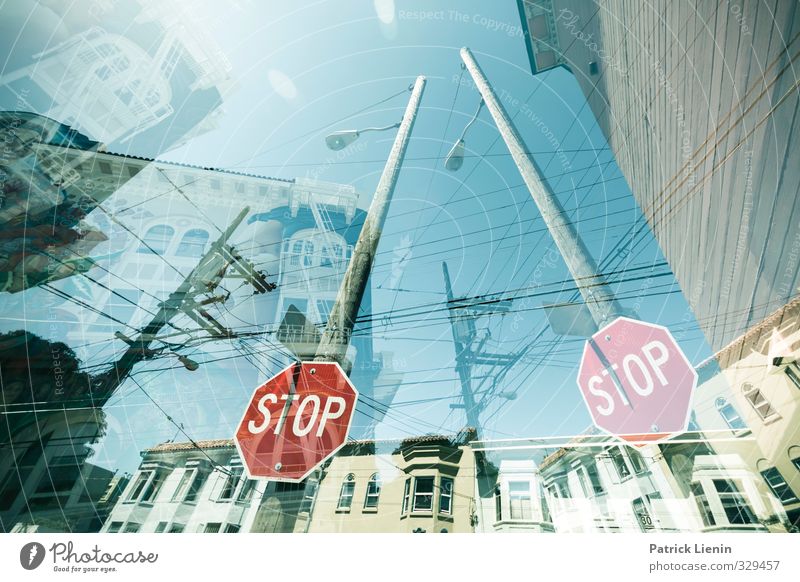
(636,381)
(296,421)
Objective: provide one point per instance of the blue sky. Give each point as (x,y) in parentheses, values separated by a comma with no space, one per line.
(298,70)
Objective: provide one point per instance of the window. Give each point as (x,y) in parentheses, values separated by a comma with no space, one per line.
(132,527)
(231,483)
(246,491)
(519,497)
(157,239)
(153,487)
(326,260)
(373,491)
(193,243)
(796,463)
(296,252)
(114,527)
(734,503)
(792,371)
(642,510)
(729,415)
(232,528)
(308,253)
(194,488)
(446,496)
(138,485)
(162,525)
(176,528)
(308,496)
(702,504)
(594,478)
(423,494)
(498,504)
(778,485)
(619,463)
(183,485)
(212,527)
(637,461)
(758,402)
(406,496)
(559,488)
(346,492)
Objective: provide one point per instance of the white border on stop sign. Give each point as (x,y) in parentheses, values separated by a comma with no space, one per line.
(321,461)
(689,365)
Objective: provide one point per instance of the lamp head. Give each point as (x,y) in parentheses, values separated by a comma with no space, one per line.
(189,364)
(339,140)
(455,158)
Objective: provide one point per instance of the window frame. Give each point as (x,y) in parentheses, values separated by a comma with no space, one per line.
(774,471)
(521,496)
(346,492)
(417,495)
(445,493)
(164,238)
(722,404)
(373,493)
(231,484)
(637,461)
(617,453)
(703,504)
(185,484)
(138,485)
(737,497)
(192,248)
(406,497)
(793,373)
(755,397)
(644,503)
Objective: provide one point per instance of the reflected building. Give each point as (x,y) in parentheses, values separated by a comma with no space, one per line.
(144,76)
(196,487)
(594,484)
(417,485)
(49,481)
(51,177)
(299,233)
(749,392)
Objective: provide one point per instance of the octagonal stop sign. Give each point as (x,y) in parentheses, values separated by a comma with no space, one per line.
(296,420)
(636,381)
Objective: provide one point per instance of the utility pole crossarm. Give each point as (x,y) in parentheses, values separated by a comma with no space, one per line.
(463,355)
(203,275)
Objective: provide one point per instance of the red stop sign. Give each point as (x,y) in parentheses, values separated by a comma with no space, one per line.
(296,420)
(636,381)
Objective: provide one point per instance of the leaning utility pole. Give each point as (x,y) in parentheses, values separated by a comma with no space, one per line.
(462,314)
(470,408)
(598,298)
(203,278)
(336,337)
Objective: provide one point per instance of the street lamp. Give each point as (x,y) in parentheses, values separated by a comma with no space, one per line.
(339,140)
(455,158)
